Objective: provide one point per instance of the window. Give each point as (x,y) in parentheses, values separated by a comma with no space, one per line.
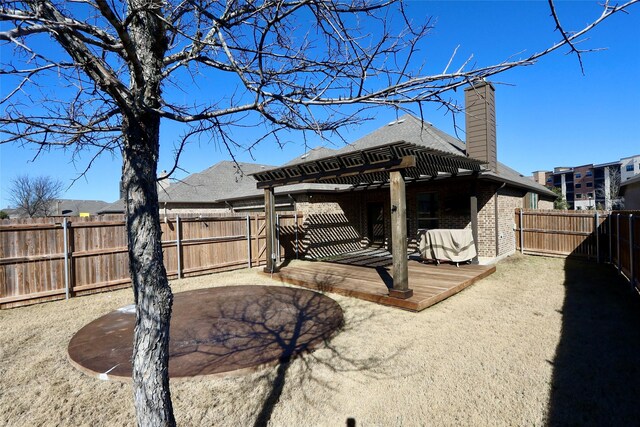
(589,184)
(590,195)
(578,175)
(578,196)
(629,168)
(578,185)
(427,210)
(532,201)
(549,179)
(589,173)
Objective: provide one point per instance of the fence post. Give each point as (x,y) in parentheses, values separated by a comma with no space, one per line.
(295,217)
(249,240)
(631,270)
(618,234)
(597,231)
(178,247)
(609,220)
(521,234)
(66,257)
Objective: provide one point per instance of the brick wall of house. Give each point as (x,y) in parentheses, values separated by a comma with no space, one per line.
(338,223)
(332,223)
(508,201)
(486,224)
(343,216)
(453,208)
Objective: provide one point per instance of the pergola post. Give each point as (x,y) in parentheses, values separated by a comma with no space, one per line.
(269,228)
(399,237)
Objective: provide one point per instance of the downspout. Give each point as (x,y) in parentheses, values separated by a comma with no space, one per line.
(497,227)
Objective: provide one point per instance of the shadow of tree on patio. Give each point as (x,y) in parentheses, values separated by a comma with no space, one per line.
(596,369)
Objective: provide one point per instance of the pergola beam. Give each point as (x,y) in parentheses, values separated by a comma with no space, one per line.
(343,171)
(370,164)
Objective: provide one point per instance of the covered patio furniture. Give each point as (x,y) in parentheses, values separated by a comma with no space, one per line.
(446,244)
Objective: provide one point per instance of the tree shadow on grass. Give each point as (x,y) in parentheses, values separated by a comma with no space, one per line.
(332,358)
(272,326)
(596,369)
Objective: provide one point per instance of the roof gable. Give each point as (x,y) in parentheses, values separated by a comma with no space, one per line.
(410,129)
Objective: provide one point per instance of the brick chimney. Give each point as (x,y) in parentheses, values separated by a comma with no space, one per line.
(480,108)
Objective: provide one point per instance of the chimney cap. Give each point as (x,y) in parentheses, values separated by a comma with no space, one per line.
(478,84)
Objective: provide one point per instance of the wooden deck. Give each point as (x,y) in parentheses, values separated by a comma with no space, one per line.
(430,283)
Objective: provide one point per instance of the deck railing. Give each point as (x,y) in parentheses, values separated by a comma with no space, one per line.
(600,236)
(53,258)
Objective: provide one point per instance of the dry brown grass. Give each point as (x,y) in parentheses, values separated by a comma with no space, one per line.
(487,356)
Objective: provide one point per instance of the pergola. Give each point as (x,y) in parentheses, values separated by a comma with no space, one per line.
(395,163)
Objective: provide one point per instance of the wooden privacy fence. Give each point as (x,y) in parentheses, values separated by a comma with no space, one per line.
(49,258)
(612,237)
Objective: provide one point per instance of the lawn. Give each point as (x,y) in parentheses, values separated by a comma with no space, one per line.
(541,341)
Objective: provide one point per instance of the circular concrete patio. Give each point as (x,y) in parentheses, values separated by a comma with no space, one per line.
(215,331)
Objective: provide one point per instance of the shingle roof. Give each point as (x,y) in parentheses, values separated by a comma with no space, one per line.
(66,207)
(410,129)
(116,207)
(361,162)
(221,182)
(70,207)
(513,177)
(313,154)
(217,183)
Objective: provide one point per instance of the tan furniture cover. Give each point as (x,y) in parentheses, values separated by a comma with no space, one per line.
(445,244)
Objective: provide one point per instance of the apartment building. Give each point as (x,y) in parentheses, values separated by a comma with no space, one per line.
(591,186)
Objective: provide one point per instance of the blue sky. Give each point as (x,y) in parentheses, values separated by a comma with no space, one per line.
(548,114)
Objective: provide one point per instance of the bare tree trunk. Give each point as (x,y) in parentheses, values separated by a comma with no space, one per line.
(151,289)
